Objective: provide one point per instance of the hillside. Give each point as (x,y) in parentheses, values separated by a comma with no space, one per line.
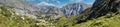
(9,18)
(103,13)
(13,20)
(104,21)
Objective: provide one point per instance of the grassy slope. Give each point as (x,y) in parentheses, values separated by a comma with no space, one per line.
(103,21)
(10,19)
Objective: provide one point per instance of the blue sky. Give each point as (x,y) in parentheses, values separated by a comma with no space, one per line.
(59,3)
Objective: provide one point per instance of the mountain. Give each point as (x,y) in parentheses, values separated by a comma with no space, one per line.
(72,9)
(26,8)
(8,18)
(100,8)
(49,10)
(67,10)
(103,13)
(110,6)
(18,6)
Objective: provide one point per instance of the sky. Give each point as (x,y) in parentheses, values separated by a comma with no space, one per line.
(59,3)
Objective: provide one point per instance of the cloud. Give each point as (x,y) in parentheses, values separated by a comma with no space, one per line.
(75,0)
(45,3)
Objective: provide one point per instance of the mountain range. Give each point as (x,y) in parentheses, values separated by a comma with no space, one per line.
(43,10)
(103,13)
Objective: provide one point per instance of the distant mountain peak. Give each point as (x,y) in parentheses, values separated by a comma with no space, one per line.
(72,9)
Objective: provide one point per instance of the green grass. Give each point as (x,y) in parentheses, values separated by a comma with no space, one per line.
(102,22)
(10,19)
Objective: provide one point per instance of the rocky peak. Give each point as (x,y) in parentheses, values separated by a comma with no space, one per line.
(72,9)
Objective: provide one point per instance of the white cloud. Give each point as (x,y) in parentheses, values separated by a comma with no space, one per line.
(45,3)
(75,0)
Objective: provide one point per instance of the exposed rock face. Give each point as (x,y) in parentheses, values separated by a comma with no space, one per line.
(49,10)
(67,10)
(100,8)
(72,9)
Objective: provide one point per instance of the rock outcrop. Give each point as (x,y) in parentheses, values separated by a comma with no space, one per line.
(72,9)
(100,8)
